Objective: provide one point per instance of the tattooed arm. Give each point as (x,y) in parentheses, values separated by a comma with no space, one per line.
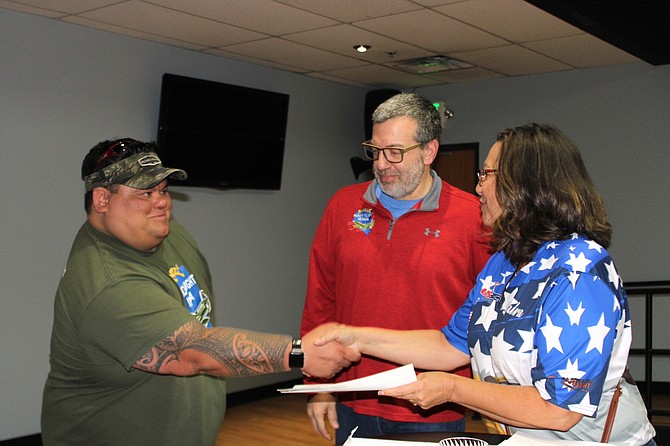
(193,349)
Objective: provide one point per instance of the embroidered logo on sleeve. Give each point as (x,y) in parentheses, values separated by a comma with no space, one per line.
(363,220)
(196,300)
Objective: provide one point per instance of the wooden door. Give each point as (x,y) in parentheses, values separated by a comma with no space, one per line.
(457,165)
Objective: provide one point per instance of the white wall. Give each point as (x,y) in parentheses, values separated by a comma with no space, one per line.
(64,88)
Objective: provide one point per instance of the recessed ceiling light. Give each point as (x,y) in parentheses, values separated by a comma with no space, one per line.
(362,48)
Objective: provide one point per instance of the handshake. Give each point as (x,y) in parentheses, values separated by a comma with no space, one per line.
(328,350)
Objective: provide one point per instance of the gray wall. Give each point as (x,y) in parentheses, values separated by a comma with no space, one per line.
(64,88)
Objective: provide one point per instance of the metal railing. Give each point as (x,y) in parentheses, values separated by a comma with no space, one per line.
(649,291)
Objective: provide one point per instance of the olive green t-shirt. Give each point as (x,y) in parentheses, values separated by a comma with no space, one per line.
(112,305)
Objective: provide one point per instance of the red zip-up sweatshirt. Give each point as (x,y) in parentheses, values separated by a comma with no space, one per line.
(367,269)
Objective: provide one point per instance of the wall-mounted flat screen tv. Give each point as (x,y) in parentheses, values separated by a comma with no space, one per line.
(224,136)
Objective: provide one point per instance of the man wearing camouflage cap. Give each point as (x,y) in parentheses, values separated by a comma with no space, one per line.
(135,358)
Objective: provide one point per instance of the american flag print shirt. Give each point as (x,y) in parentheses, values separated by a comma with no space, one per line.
(560,323)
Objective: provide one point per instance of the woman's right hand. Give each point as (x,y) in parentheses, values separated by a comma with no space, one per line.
(341,333)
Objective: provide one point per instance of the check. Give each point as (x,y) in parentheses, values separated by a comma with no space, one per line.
(384,380)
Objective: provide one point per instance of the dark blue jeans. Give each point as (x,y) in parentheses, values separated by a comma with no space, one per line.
(369,426)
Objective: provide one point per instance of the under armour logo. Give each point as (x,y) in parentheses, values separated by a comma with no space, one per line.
(436,232)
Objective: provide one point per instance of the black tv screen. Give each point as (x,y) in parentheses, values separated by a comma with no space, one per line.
(223,136)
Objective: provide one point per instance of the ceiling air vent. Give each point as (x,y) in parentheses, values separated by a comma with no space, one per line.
(432,64)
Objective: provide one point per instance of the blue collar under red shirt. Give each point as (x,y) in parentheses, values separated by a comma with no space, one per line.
(396,207)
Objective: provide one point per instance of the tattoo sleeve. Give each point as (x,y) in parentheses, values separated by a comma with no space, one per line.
(193,349)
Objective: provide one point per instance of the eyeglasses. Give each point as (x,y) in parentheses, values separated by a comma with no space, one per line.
(114,151)
(483,174)
(393,155)
(121,149)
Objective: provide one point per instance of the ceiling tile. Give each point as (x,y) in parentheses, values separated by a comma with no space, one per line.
(352,10)
(66,6)
(513,20)
(255,61)
(381,77)
(30,9)
(464,75)
(339,80)
(431,3)
(262,16)
(432,31)
(169,23)
(282,51)
(582,51)
(512,60)
(341,39)
(132,33)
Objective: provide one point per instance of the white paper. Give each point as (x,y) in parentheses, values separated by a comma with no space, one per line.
(351,441)
(379,381)
(527,439)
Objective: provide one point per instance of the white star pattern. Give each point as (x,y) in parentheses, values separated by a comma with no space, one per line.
(571,370)
(552,245)
(540,289)
(598,333)
(621,326)
(576,314)
(489,314)
(572,277)
(509,300)
(526,268)
(548,263)
(487,283)
(594,245)
(578,263)
(499,344)
(476,351)
(528,339)
(481,363)
(552,333)
(541,387)
(584,407)
(612,274)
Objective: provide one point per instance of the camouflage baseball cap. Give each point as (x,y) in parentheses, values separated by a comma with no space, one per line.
(140,171)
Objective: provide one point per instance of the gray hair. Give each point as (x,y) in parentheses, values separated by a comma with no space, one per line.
(413,106)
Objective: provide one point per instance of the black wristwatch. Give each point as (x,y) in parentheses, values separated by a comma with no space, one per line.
(296,359)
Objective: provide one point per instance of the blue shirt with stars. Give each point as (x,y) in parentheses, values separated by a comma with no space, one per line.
(561,323)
